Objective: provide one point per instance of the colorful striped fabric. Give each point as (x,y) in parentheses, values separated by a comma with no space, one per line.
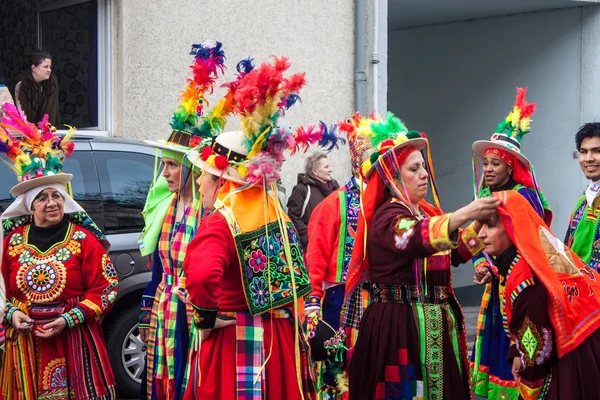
(169,336)
(250,356)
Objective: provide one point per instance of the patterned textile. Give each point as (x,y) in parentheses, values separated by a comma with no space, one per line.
(170,318)
(250,356)
(401,382)
(583,235)
(266,276)
(353,310)
(349,211)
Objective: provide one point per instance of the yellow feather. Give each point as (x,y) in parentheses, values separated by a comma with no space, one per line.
(69,134)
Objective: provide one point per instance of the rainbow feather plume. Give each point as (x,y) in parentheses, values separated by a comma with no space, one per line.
(208,63)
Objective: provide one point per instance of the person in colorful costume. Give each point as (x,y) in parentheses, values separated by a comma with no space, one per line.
(245,267)
(504,168)
(412,341)
(331,232)
(59,278)
(551,304)
(172,214)
(584,231)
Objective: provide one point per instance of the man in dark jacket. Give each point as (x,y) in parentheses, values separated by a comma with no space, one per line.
(311,189)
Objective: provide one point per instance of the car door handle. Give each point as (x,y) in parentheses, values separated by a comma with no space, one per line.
(132,263)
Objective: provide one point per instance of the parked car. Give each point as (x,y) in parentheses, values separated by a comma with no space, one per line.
(111,178)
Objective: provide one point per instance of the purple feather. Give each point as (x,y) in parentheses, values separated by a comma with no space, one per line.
(291,100)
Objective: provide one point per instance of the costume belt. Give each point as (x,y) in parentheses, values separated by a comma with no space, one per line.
(173,280)
(408,294)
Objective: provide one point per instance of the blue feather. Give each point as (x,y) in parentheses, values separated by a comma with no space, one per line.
(291,100)
(245,66)
(329,140)
(4,147)
(200,51)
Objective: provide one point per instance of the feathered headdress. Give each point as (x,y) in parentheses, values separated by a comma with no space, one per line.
(518,121)
(260,97)
(191,121)
(35,151)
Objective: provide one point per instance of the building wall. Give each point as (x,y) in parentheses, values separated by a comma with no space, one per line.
(457,81)
(153,40)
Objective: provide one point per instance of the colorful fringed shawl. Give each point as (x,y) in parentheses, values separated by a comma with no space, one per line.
(169,334)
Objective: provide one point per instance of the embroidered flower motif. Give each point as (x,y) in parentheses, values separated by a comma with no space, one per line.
(258,261)
(41,278)
(78,235)
(110,273)
(529,342)
(16,239)
(25,257)
(59,378)
(260,291)
(546,351)
(271,246)
(63,254)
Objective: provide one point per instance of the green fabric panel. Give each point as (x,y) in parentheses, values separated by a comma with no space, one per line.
(342,243)
(454,335)
(583,239)
(418,309)
(155,210)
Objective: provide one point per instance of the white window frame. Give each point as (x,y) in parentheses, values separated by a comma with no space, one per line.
(105,63)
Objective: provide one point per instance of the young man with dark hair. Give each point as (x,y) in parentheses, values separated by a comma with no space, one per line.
(583,232)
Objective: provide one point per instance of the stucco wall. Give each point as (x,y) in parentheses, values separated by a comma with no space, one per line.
(457,81)
(153,40)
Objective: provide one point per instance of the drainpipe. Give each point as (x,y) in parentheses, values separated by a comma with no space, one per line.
(360,79)
(375,57)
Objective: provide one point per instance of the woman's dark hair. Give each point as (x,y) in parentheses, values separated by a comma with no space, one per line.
(35,58)
(589,130)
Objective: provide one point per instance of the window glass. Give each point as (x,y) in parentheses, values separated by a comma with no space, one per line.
(124,181)
(8,179)
(68,31)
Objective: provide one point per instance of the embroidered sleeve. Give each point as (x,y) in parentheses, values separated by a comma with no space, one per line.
(148,297)
(469,243)
(531,330)
(99,280)
(435,234)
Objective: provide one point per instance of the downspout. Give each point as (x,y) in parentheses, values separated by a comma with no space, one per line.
(375,57)
(360,79)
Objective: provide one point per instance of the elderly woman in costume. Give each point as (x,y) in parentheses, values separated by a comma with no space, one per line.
(504,168)
(59,279)
(172,214)
(412,341)
(245,268)
(550,306)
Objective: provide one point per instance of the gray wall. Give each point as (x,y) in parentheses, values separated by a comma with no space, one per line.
(153,40)
(457,81)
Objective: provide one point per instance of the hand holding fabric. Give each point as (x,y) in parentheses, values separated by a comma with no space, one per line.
(51,329)
(21,322)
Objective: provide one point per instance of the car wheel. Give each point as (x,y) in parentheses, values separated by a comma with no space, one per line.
(126,351)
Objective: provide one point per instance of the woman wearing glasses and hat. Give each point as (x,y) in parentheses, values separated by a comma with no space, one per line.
(60,281)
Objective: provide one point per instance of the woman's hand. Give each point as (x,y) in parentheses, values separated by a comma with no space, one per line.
(482,276)
(516,367)
(219,324)
(50,329)
(479,209)
(21,322)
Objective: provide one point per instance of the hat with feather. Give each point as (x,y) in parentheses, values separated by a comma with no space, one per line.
(510,132)
(191,123)
(36,152)
(253,155)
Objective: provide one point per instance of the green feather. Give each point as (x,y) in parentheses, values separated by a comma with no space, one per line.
(413,135)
